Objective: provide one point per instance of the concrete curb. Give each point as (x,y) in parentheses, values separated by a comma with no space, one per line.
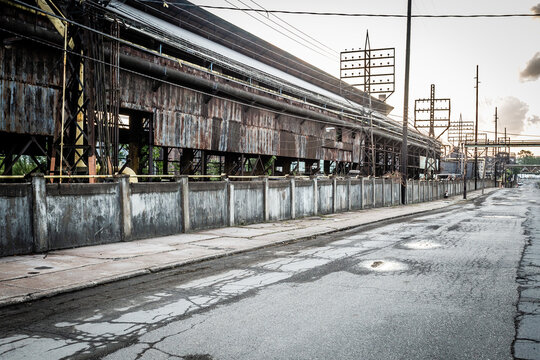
(163,267)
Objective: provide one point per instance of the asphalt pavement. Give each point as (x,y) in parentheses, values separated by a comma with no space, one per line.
(31,277)
(437,284)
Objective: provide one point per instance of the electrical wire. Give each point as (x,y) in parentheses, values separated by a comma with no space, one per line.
(258,54)
(282,33)
(300,31)
(303,36)
(343,14)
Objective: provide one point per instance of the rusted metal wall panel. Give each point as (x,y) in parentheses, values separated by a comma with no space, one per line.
(187,119)
(30,90)
(357,148)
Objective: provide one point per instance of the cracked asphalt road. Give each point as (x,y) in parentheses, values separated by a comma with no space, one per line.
(441,285)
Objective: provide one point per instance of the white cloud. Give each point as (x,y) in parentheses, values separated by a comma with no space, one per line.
(513,114)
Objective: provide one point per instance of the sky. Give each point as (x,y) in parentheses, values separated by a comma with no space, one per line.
(444,51)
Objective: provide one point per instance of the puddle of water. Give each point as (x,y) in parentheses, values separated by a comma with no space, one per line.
(421,245)
(383,265)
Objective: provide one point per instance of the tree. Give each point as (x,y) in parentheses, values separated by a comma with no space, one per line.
(526,157)
(525,153)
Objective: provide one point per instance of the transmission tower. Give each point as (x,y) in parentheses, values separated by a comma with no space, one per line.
(373,71)
(432,113)
(460,131)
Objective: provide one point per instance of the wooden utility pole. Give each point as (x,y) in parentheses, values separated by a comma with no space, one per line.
(496,152)
(404,154)
(476,137)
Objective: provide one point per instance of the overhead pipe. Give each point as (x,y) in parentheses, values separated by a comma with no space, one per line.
(159,71)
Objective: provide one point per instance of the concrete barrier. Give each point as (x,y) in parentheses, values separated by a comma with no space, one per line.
(38,217)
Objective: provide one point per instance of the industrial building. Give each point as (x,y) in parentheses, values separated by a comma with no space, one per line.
(101,87)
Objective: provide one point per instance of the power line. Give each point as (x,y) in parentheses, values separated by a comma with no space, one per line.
(288,59)
(281,32)
(300,31)
(324,13)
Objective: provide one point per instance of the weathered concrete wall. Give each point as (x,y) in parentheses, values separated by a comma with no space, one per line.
(325,196)
(156,209)
(422,190)
(15,219)
(304,198)
(378,193)
(342,196)
(82,214)
(208,204)
(368,193)
(248,202)
(37,217)
(356,194)
(397,193)
(279,200)
(387,193)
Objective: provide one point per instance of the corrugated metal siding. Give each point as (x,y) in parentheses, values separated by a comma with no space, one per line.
(30,90)
(187,119)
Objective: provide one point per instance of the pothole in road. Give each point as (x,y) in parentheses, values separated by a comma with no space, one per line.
(383,265)
(421,245)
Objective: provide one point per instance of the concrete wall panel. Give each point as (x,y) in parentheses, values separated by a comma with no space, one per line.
(82,214)
(208,205)
(279,201)
(155,209)
(342,196)
(356,194)
(325,196)
(304,198)
(248,202)
(15,219)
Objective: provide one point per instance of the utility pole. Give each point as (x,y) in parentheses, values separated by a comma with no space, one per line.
(506,155)
(476,137)
(404,154)
(465,173)
(496,154)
